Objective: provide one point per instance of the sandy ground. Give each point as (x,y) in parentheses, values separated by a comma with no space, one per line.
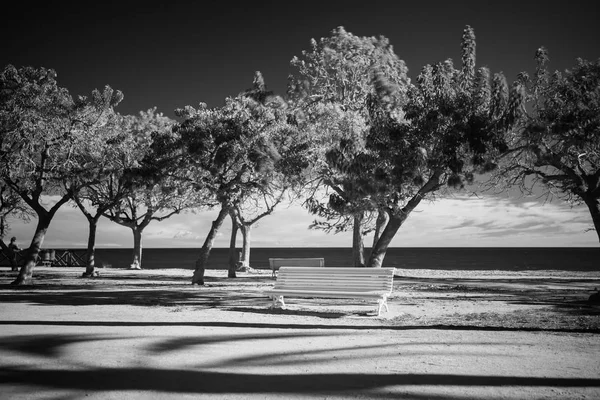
(151,335)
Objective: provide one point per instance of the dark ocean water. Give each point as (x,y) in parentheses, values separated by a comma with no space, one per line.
(472,258)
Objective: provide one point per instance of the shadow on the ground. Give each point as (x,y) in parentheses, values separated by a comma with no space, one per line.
(48,345)
(136,297)
(208,382)
(54,345)
(229,324)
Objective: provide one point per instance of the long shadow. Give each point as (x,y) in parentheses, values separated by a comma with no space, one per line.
(186,381)
(139,297)
(302,326)
(52,345)
(47,345)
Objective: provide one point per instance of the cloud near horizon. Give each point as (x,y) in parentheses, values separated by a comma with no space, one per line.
(458,221)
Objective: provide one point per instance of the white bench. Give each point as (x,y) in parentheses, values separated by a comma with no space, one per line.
(276,263)
(322,282)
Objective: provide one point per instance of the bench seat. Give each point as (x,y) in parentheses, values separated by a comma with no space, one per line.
(322,282)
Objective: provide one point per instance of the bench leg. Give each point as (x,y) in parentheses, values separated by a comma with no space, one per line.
(380,304)
(278,302)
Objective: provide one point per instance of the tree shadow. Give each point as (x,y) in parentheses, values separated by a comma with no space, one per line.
(208,382)
(136,297)
(47,345)
(310,326)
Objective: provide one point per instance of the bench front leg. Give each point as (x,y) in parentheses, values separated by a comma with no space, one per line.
(278,302)
(382,303)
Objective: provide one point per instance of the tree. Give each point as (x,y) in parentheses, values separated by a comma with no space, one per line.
(103,155)
(233,150)
(330,89)
(557,145)
(278,180)
(42,132)
(111,152)
(151,193)
(249,212)
(454,124)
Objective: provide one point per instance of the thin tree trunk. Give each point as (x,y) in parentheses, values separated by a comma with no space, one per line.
(90,268)
(380,224)
(198,277)
(25,276)
(233,256)
(380,248)
(397,219)
(136,262)
(358,246)
(593,205)
(246,237)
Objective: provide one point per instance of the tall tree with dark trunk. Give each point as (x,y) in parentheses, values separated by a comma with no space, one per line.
(556,149)
(329,87)
(454,125)
(232,151)
(106,154)
(42,132)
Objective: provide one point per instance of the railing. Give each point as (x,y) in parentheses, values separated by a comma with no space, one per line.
(52,257)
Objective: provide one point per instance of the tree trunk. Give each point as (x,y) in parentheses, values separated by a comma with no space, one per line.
(358,246)
(380,224)
(198,277)
(25,276)
(90,268)
(246,237)
(398,217)
(594,207)
(233,256)
(136,262)
(380,248)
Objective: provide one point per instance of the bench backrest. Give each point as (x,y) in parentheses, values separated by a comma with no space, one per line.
(336,279)
(276,263)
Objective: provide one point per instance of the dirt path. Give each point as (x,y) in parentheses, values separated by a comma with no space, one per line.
(149,334)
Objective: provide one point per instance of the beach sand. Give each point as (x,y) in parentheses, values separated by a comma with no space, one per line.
(151,334)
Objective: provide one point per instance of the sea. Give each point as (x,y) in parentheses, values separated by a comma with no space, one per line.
(443,258)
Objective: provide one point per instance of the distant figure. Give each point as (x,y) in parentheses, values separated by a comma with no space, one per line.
(13,249)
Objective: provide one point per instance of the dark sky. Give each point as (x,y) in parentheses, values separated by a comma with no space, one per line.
(177,53)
